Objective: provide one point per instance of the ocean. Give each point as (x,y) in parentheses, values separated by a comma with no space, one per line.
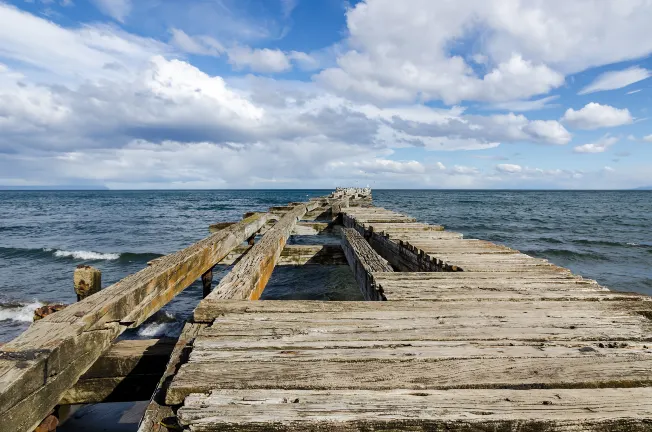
(602,235)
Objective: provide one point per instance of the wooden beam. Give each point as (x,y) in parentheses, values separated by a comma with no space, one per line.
(207,282)
(128,371)
(249,276)
(464,410)
(364,261)
(38,367)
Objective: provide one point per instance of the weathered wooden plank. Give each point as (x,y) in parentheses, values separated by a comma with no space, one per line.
(157,411)
(453,410)
(249,276)
(206,350)
(270,307)
(298,255)
(364,261)
(513,373)
(37,367)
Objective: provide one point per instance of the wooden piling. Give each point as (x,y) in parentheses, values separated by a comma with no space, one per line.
(207,282)
(87,281)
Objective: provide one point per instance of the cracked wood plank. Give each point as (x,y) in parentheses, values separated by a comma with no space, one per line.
(455,410)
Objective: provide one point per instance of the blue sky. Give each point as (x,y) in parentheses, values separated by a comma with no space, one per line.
(317,93)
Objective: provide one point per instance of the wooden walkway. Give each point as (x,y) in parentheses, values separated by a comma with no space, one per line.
(456,334)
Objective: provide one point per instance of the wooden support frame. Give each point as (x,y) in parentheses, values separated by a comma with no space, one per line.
(39,366)
(128,371)
(364,261)
(250,275)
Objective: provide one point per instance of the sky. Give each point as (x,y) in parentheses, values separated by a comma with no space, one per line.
(217,94)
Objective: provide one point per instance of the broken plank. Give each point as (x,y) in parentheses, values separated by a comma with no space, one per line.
(156,410)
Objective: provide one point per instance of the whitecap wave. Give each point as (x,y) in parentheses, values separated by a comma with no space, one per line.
(159,330)
(84,255)
(161,324)
(19,311)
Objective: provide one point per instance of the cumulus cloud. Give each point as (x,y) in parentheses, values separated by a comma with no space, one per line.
(509,168)
(617,79)
(648,138)
(259,60)
(97,104)
(406,51)
(598,147)
(595,116)
(90,51)
(263,60)
(488,130)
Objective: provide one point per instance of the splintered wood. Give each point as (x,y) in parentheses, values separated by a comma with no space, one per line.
(472,336)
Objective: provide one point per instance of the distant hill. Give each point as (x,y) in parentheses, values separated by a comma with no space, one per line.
(51,188)
(644,188)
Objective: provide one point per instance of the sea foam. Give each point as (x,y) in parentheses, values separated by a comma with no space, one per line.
(19,311)
(85,255)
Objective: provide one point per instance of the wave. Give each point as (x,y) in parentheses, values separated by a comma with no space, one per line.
(23,312)
(565,253)
(551,240)
(86,255)
(81,255)
(609,243)
(161,324)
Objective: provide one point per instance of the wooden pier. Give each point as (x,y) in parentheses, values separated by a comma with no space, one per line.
(454,334)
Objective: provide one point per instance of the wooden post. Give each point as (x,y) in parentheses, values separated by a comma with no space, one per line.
(88,281)
(207,281)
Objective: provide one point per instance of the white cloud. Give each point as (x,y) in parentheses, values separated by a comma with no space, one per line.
(200,45)
(633,92)
(377,166)
(263,60)
(648,138)
(259,60)
(598,147)
(616,79)
(406,51)
(88,52)
(520,106)
(117,9)
(547,131)
(594,116)
(509,168)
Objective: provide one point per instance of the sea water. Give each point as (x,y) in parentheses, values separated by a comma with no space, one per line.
(602,235)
